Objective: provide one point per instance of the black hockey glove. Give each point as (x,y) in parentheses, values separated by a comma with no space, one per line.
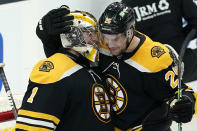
(183,110)
(50,27)
(56,21)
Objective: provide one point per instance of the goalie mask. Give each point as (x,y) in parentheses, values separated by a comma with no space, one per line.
(83,36)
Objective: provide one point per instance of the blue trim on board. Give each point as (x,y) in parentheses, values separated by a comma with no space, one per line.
(1,55)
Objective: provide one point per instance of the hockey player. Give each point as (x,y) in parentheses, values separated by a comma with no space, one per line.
(142,75)
(64,93)
(161,20)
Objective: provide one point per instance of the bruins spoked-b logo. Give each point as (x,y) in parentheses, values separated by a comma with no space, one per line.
(117,94)
(47,66)
(100,103)
(157,51)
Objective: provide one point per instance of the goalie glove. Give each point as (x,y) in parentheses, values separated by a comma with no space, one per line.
(183,110)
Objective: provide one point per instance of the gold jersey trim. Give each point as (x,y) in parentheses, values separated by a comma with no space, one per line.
(53,69)
(151,57)
(195,95)
(39,115)
(36,122)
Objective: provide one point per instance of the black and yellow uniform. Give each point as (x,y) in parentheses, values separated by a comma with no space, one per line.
(161,20)
(64,95)
(140,84)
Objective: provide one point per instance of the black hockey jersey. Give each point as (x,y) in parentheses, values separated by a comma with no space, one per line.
(141,82)
(161,20)
(64,96)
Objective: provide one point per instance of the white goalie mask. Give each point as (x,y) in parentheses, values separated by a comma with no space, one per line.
(83,36)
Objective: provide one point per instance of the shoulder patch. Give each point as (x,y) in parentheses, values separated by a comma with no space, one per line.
(47,66)
(53,69)
(157,51)
(151,57)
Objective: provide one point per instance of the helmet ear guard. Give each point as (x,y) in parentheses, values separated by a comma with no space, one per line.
(128,32)
(75,40)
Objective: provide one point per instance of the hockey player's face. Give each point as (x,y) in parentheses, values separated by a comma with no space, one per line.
(90,37)
(116,43)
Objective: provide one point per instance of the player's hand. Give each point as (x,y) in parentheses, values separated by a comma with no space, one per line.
(183,110)
(56,21)
(50,27)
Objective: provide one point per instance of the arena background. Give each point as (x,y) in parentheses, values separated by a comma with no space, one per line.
(20,48)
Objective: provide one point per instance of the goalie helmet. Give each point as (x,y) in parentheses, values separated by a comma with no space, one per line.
(83,36)
(117,18)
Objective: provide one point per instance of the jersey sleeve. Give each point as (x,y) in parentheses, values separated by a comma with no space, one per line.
(163,84)
(46,98)
(42,107)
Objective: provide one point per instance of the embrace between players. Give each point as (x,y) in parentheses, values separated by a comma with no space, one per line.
(102,76)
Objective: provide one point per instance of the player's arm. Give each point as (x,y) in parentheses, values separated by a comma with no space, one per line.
(50,27)
(189,9)
(42,107)
(44,101)
(163,86)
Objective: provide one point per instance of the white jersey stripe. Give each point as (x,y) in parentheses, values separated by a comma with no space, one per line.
(36,122)
(136,65)
(71,71)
